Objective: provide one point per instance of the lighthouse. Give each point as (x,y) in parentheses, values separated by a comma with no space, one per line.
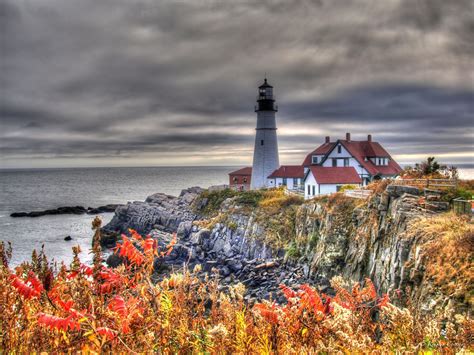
(265,154)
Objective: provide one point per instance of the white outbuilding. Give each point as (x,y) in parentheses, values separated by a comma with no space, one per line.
(320,180)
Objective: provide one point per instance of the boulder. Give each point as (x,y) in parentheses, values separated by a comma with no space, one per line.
(158,211)
(398,190)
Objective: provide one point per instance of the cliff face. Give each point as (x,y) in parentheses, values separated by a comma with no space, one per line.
(356,239)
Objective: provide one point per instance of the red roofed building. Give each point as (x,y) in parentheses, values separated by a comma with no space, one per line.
(321,180)
(368,159)
(290,176)
(240,179)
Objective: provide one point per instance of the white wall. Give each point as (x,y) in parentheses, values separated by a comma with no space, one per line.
(328,188)
(320,189)
(310,181)
(340,163)
(320,158)
(276,182)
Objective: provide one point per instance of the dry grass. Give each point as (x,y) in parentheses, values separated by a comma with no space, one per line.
(447,244)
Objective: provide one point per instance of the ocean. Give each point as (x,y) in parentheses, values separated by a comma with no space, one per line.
(40,189)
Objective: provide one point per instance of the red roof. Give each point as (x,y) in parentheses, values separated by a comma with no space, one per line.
(288,171)
(244,171)
(323,149)
(333,175)
(362,149)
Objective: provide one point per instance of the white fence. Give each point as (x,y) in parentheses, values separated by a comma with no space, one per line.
(362,194)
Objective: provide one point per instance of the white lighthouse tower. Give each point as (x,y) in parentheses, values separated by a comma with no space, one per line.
(265,154)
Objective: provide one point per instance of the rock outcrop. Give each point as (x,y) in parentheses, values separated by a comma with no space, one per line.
(353,238)
(68,210)
(158,211)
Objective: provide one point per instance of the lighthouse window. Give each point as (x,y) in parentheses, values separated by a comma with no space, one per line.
(261,142)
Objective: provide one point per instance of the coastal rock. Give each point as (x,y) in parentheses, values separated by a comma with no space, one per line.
(159,211)
(56,211)
(356,242)
(67,210)
(103,209)
(398,190)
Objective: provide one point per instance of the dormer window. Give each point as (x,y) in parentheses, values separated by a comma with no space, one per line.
(315,159)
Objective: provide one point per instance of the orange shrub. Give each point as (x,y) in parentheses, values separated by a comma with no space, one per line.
(97,309)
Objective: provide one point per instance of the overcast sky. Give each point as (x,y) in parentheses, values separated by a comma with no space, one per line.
(138,83)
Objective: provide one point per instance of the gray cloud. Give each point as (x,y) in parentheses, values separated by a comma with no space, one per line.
(177,79)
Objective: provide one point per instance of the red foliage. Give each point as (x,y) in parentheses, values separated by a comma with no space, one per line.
(117,304)
(149,246)
(111,280)
(268,311)
(107,332)
(54,322)
(288,292)
(128,250)
(86,270)
(126,310)
(26,290)
(310,299)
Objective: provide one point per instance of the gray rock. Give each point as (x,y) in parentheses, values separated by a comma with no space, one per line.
(398,190)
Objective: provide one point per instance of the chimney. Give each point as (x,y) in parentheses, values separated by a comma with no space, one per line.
(369,138)
(328,139)
(348,137)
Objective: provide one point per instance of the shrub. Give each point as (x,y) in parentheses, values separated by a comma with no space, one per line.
(97,309)
(292,251)
(347,187)
(213,200)
(249,198)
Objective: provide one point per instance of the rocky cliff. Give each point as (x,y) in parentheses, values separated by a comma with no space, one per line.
(300,242)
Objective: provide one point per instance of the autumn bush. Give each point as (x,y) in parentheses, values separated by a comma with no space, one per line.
(93,308)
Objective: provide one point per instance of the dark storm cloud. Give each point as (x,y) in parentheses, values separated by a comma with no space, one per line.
(132,78)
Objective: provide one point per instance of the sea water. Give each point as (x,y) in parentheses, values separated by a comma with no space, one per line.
(40,189)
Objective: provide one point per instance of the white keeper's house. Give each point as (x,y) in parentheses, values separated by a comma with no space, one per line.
(325,170)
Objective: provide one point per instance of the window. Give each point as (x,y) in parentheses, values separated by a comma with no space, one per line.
(314,190)
(334,162)
(245,179)
(346,161)
(339,149)
(315,159)
(338,188)
(261,142)
(309,190)
(284,182)
(295,182)
(234,179)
